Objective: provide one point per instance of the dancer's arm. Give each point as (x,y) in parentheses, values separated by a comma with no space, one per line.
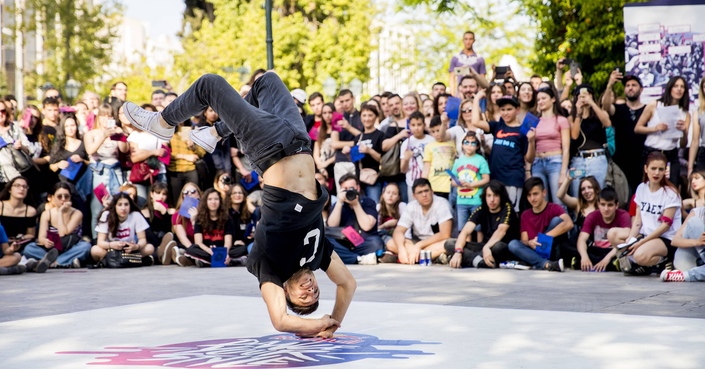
(275,299)
(346,285)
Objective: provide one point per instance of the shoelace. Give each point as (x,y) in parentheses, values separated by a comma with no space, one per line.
(141,113)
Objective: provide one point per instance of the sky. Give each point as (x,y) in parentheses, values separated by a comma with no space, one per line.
(163,16)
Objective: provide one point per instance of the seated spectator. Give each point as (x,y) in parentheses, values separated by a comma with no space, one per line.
(438,157)
(498,223)
(214,228)
(511,148)
(412,151)
(359,213)
(584,204)
(472,171)
(430,219)
(156,212)
(689,259)
(183,226)
(118,227)
(60,229)
(697,191)
(10,258)
(542,217)
(243,219)
(389,208)
(17,218)
(594,252)
(654,224)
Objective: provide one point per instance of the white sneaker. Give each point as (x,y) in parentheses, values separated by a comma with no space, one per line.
(368,259)
(202,137)
(147,121)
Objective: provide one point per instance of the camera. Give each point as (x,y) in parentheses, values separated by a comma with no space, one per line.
(351,194)
(226,180)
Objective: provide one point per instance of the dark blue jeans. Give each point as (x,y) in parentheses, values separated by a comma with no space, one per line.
(266,123)
(348,256)
(528,254)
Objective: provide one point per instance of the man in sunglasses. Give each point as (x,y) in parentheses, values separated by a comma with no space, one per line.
(290,242)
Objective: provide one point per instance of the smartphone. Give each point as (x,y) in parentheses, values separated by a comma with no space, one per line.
(568,61)
(408,128)
(462,71)
(574,66)
(583,91)
(576,173)
(110,123)
(159,83)
(500,71)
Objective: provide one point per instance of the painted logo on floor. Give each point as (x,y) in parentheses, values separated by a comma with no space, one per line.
(275,351)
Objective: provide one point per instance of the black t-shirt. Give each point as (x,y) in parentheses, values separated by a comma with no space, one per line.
(628,144)
(489,222)
(215,237)
(290,236)
(345,135)
(51,134)
(373,140)
(595,136)
(348,218)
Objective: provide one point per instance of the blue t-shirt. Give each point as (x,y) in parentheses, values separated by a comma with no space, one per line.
(507,157)
(470,169)
(3,236)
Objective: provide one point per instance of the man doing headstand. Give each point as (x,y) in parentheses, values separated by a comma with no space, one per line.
(289,242)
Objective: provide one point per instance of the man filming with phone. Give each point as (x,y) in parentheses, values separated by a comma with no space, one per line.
(358,214)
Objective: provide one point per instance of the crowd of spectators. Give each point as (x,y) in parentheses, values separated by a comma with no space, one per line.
(486,172)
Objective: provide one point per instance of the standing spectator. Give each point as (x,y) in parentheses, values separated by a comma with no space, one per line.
(510,149)
(360,213)
(542,217)
(437,89)
(587,130)
(50,110)
(412,151)
(313,121)
(145,147)
(498,223)
(39,148)
(438,157)
(158,98)
(351,126)
(182,166)
(92,101)
(495,91)
(396,113)
(395,134)
(467,58)
(119,90)
(473,173)
(431,222)
(222,157)
(323,153)
(104,160)
(552,143)
(527,100)
(535,81)
(369,143)
(655,223)
(468,88)
(629,145)
(659,136)
(13,135)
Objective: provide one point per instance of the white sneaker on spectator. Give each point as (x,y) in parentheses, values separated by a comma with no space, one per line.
(368,259)
(147,121)
(203,137)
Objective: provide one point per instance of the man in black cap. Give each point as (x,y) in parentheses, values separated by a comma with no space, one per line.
(629,145)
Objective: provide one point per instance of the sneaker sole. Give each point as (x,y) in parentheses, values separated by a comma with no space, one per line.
(146,128)
(168,253)
(46,261)
(200,143)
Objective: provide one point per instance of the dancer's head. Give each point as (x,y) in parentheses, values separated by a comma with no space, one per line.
(302,293)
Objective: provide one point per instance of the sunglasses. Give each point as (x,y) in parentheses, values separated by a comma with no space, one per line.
(471,143)
(189,192)
(466,110)
(63,196)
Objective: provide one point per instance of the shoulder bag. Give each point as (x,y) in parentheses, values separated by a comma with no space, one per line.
(390,164)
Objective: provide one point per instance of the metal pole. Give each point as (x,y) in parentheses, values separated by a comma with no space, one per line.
(270,48)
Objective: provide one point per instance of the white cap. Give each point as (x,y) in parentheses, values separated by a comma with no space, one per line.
(299,95)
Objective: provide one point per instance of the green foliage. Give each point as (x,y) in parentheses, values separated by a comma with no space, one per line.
(79,45)
(313,39)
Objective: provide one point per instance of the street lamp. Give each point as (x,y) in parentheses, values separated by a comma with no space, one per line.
(330,86)
(356,87)
(72,87)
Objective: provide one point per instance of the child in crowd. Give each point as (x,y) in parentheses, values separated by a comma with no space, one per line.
(542,217)
(412,151)
(511,147)
(594,249)
(472,172)
(498,223)
(655,223)
(438,157)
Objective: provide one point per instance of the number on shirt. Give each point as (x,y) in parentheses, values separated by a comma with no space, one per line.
(312,233)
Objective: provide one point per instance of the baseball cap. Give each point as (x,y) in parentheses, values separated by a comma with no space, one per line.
(299,95)
(584,86)
(630,77)
(508,99)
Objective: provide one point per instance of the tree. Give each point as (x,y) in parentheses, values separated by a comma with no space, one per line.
(313,39)
(77,39)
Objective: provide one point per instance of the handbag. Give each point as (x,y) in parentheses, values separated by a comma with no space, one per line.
(368,176)
(391,160)
(142,172)
(21,160)
(120,259)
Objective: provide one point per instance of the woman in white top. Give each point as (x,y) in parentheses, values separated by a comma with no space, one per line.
(696,157)
(656,221)
(690,255)
(659,135)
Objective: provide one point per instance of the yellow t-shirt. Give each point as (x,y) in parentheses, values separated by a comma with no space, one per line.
(441,155)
